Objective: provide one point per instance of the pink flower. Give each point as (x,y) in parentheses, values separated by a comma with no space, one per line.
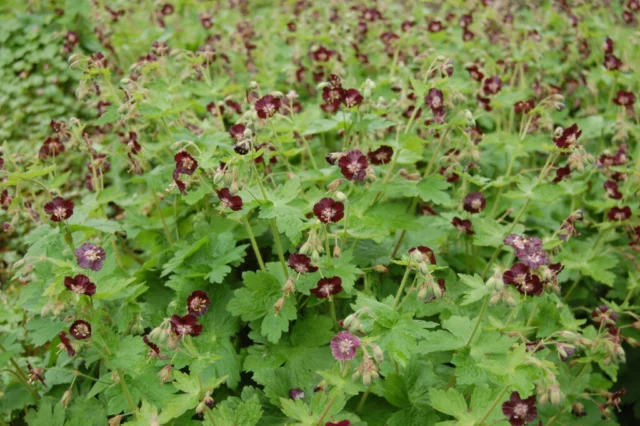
(344,346)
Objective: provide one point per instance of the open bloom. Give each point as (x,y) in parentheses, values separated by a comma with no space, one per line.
(463,226)
(296,393)
(185,163)
(617,213)
(475,202)
(329,211)
(340,423)
(59,208)
(353,165)
(80,284)
(434,99)
(185,325)
(520,411)
(381,155)
(344,346)
(568,137)
(352,98)
(327,287)
(90,256)
(267,106)
(198,303)
(80,330)
(234,202)
(301,263)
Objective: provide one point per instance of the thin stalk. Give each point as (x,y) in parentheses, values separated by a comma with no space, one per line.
(164,222)
(493,406)
(254,244)
(326,411)
(401,288)
(127,395)
(485,304)
(276,238)
(363,399)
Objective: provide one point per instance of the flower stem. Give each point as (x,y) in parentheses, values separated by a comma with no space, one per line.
(254,244)
(127,395)
(164,222)
(326,411)
(401,288)
(363,399)
(485,304)
(276,238)
(493,406)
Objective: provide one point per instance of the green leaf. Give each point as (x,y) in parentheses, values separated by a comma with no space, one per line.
(43,330)
(450,402)
(109,116)
(478,288)
(432,190)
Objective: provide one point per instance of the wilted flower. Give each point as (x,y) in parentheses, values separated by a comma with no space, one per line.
(59,208)
(475,202)
(327,287)
(301,263)
(80,284)
(381,155)
(198,303)
(353,165)
(578,410)
(90,256)
(185,325)
(344,346)
(80,330)
(519,411)
(234,202)
(329,211)
(65,344)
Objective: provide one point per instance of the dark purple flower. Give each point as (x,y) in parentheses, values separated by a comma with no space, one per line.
(131,141)
(561,173)
(531,287)
(234,202)
(59,208)
(352,98)
(353,165)
(65,344)
(612,62)
(80,284)
(463,226)
(327,287)
(333,94)
(237,131)
(517,275)
(90,256)
(340,423)
(624,98)
(267,106)
(519,411)
(185,325)
(185,163)
(611,188)
(301,263)
(51,147)
(329,211)
(344,346)
(381,155)
(296,393)
(80,330)
(426,252)
(492,85)
(198,303)
(524,107)
(434,99)
(475,73)
(568,138)
(474,202)
(322,54)
(578,410)
(533,258)
(603,315)
(617,213)
(484,103)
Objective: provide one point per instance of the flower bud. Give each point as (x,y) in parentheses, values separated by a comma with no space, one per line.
(555,396)
(254,85)
(378,355)
(323,85)
(279,305)
(569,335)
(340,196)
(336,251)
(334,185)
(66,398)
(289,287)
(381,268)
(115,420)
(165,373)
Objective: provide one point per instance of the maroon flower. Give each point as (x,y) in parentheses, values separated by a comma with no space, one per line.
(492,85)
(617,213)
(167,9)
(51,147)
(435,26)
(612,62)
(80,330)
(561,173)
(334,94)
(185,325)
(484,103)
(296,393)
(71,37)
(185,163)
(327,287)
(344,346)
(625,99)
(603,315)
(519,411)
(80,284)
(267,106)
(353,165)
(59,208)
(463,226)
(301,263)
(154,350)
(427,254)
(329,211)
(474,202)
(531,287)
(568,138)
(340,423)
(611,188)
(475,73)
(90,256)
(5,200)
(517,275)
(234,202)
(434,99)
(237,131)
(352,98)
(131,141)
(65,344)
(381,155)
(198,303)
(322,54)
(524,107)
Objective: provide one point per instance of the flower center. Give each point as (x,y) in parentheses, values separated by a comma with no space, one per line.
(92,255)
(59,212)
(198,304)
(328,213)
(520,410)
(82,330)
(327,289)
(346,346)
